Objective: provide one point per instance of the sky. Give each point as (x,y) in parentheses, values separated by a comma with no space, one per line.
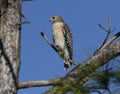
(38,60)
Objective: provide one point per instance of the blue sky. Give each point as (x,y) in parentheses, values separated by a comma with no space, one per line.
(38,60)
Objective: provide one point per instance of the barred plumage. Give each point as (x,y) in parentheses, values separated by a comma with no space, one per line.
(69,41)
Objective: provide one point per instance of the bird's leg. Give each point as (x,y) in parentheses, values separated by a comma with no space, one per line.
(61,53)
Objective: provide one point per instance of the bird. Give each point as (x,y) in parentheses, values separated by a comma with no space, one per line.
(63,40)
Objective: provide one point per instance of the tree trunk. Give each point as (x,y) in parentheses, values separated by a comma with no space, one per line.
(10,26)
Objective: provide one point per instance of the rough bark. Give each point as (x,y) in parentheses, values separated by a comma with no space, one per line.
(10,19)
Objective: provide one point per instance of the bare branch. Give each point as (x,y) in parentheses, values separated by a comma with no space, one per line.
(28,84)
(102,27)
(49,42)
(25,22)
(107,35)
(80,74)
(110,41)
(109,24)
(54,47)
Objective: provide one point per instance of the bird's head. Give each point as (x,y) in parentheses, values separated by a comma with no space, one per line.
(54,19)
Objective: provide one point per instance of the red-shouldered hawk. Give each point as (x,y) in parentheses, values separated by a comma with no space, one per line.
(62,37)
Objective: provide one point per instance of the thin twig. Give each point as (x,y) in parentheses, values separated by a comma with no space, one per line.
(104,29)
(110,41)
(109,24)
(109,31)
(25,22)
(48,41)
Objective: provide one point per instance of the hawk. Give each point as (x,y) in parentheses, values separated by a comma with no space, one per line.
(62,38)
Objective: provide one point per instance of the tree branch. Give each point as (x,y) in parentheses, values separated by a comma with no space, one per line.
(109,31)
(28,84)
(80,74)
(49,42)
(110,41)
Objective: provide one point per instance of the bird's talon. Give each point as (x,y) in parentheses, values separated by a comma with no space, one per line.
(61,53)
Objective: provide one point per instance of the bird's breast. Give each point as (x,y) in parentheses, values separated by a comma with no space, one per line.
(58,34)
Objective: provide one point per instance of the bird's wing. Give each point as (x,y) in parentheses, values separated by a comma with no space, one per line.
(68,39)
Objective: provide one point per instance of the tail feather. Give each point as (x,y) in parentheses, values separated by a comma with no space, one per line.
(67,62)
